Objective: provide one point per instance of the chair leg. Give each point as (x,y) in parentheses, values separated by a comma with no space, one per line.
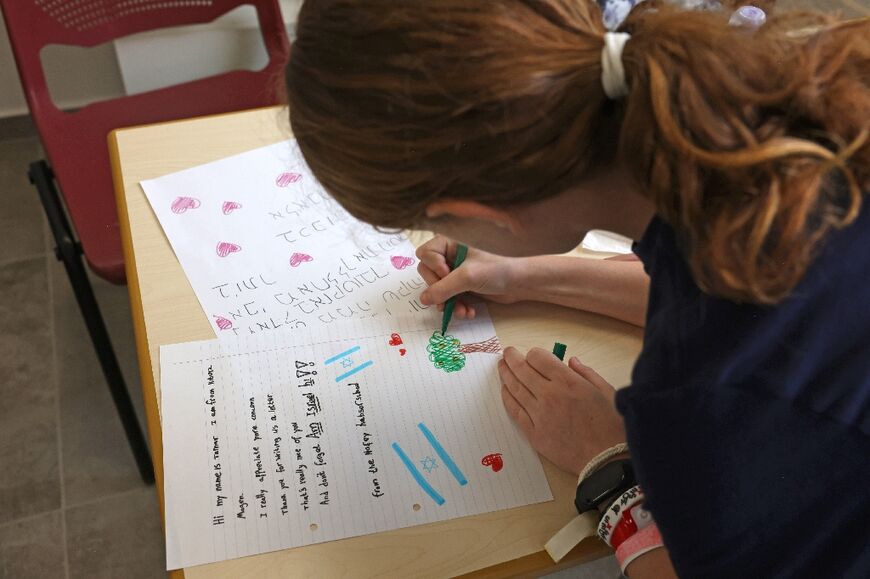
(69,252)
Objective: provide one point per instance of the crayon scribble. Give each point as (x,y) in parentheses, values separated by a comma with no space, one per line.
(448,353)
(444,352)
(490,346)
(298,258)
(230,206)
(182,204)
(225,248)
(284,179)
(401,262)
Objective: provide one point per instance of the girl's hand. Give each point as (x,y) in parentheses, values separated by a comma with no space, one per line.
(485,274)
(567,411)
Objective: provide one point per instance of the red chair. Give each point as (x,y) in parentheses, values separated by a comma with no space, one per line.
(75,142)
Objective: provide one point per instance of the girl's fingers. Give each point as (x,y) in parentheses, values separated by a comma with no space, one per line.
(515,386)
(455,283)
(434,254)
(517,364)
(592,377)
(427,274)
(516,411)
(545,363)
(461,310)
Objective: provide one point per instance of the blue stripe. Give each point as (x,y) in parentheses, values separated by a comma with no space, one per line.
(445,458)
(412,468)
(353,371)
(340,356)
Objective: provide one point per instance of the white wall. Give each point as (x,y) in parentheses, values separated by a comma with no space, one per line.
(78,76)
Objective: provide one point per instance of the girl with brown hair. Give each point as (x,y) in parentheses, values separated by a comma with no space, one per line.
(738,159)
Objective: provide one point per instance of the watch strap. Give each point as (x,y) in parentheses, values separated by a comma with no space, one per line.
(628,482)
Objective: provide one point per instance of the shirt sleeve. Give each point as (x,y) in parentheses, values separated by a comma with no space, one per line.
(745,485)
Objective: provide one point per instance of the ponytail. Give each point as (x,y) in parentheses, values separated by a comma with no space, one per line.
(754,145)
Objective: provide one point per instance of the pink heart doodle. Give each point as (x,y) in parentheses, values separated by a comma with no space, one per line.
(284,179)
(223,323)
(297,258)
(401,262)
(230,206)
(182,204)
(225,248)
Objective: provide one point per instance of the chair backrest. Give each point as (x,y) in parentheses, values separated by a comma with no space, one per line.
(75,142)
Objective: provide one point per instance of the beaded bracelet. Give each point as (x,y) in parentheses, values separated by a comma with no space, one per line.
(600,459)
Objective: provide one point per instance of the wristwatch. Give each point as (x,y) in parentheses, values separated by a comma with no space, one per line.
(606,483)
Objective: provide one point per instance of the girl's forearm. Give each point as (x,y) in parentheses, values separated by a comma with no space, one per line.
(614,288)
(653,565)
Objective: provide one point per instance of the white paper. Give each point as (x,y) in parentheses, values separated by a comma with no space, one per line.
(600,240)
(231,462)
(265,247)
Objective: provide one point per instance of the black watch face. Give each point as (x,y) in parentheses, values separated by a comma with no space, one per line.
(602,483)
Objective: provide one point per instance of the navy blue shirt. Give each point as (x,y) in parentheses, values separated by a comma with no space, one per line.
(749,425)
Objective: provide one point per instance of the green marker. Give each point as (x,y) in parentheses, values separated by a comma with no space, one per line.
(461,252)
(559,350)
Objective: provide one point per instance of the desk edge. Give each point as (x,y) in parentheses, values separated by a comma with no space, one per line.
(146,376)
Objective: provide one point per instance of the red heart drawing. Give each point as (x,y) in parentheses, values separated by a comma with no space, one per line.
(230,206)
(297,258)
(402,351)
(222,323)
(284,179)
(401,262)
(225,248)
(182,204)
(493,460)
(395,339)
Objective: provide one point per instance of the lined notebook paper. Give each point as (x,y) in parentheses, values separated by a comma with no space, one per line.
(283,439)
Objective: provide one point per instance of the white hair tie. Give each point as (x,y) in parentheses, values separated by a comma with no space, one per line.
(612,71)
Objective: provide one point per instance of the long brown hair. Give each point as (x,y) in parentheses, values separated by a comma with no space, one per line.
(752,145)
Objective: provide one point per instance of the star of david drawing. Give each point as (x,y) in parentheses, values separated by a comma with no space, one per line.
(429,464)
(346,363)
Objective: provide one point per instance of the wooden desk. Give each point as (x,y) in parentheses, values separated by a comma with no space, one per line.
(166,311)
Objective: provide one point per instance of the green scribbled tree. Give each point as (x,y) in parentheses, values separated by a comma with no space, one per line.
(448,353)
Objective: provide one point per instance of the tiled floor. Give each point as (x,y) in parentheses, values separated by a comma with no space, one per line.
(71,502)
